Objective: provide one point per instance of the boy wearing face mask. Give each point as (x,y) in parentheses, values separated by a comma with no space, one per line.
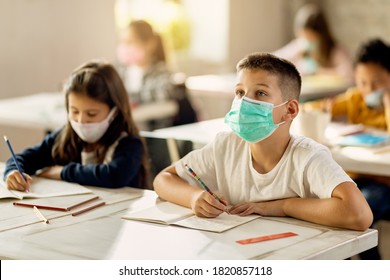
(260,168)
(99,146)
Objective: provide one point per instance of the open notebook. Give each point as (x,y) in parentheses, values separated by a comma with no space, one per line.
(172,214)
(42,187)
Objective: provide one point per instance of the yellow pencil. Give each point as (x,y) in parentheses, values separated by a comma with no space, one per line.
(40,215)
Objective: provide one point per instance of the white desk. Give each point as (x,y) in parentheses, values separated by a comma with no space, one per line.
(102,234)
(212,95)
(354,159)
(47,111)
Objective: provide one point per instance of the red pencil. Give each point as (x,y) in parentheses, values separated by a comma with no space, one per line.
(81,203)
(88,209)
(40,206)
(54,208)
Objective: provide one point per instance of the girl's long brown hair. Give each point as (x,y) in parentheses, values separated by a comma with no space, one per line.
(101,82)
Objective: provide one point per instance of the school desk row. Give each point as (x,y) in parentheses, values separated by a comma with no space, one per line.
(103,234)
(367,160)
(25,120)
(47,111)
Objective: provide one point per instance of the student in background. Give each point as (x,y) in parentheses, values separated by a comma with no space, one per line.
(100,144)
(260,168)
(145,73)
(315,51)
(368,103)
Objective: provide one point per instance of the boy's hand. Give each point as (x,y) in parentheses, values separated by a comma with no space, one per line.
(15,181)
(267,208)
(205,205)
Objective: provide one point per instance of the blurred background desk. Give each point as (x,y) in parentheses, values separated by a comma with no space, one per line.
(212,95)
(375,161)
(26,120)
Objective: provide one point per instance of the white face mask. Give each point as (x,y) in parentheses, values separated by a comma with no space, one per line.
(92,132)
(374,99)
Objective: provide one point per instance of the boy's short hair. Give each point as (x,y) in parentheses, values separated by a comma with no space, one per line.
(289,79)
(374,51)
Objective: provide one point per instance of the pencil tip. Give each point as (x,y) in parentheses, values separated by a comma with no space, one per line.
(5,138)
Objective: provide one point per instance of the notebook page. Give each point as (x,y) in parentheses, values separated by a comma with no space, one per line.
(42,187)
(219,224)
(162,213)
(6,193)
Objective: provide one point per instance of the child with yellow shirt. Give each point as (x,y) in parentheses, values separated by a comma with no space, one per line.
(369,104)
(355,108)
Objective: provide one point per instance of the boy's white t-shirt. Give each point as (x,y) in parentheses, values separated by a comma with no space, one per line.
(306,169)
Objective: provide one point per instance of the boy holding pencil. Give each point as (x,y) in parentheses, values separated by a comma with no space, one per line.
(260,168)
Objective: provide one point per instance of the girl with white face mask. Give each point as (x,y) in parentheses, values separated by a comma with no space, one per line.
(100,145)
(314,49)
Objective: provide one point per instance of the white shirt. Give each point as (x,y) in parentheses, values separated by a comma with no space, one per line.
(306,169)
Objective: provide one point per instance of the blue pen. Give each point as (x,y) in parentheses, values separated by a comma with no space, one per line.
(14,158)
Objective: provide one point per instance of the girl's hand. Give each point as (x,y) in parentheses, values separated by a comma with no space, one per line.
(15,181)
(52,172)
(205,205)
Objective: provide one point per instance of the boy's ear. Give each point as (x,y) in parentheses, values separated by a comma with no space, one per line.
(292,110)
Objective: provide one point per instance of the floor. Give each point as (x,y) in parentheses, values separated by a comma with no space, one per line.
(383,240)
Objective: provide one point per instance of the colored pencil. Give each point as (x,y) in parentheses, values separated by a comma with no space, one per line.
(41,206)
(82,203)
(88,209)
(54,208)
(40,215)
(193,174)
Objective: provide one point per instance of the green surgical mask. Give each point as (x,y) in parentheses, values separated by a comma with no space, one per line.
(251,119)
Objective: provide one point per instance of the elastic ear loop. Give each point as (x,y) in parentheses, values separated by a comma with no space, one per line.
(275,106)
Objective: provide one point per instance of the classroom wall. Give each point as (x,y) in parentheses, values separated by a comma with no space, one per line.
(223,31)
(354,21)
(42,41)
(255,25)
